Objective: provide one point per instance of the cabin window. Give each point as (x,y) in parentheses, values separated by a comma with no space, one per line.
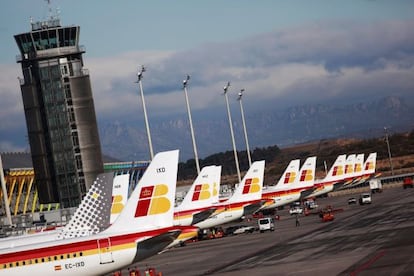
(43,260)
(17,263)
(81,254)
(68,256)
(61,257)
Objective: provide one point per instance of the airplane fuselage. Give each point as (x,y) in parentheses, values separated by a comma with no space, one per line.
(96,255)
(282,197)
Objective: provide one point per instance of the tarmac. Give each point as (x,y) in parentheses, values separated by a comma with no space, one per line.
(361,240)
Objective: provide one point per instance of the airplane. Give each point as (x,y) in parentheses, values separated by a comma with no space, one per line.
(96,201)
(293,188)
(333,179)
(245,200)
(357,172)
(349,169)
(285,181)
(197,203)
(368,171)
(143,228)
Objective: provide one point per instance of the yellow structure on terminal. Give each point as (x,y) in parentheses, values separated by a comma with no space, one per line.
(22,193)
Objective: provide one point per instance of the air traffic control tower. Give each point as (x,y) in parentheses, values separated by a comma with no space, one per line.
(60,112)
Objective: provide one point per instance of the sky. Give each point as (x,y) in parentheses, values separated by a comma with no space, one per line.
(282,53)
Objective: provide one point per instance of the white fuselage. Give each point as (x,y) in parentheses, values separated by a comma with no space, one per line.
(222,216)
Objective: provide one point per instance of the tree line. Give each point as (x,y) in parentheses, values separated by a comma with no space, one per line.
(401,144)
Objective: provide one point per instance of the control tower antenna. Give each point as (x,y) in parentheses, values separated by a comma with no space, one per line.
(52,15)
(49,5)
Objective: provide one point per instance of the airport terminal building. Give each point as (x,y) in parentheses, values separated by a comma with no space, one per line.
(60,113)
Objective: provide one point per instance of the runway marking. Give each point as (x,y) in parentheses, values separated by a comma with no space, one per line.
(368,263)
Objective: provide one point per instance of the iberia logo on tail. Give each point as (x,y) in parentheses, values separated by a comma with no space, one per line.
(349,168)
(369,166)
(251,185)
(289,177)
(338,170)
(117,204)
(201,192)
(306,175)
(152,201)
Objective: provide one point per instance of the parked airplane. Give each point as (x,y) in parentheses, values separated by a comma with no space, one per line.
(367,172)
(144,227)
(349,169)
(97,201)
(197,203)
(245,200)
(333,180)
(296,184)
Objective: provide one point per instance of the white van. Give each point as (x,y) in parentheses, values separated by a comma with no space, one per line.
(266,224)
(365,198)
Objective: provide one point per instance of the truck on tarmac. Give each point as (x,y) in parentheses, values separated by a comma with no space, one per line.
(375,185)
(408,182)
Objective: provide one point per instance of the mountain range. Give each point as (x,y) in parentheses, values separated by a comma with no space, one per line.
(126,140)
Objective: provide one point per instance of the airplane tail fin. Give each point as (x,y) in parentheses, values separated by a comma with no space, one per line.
(359,164)
(336,172)
(151,204)
(204,191)
(289,175)
(370,163)
(306,174)
(252,184)
(119,195)
(349,165)
(98,202)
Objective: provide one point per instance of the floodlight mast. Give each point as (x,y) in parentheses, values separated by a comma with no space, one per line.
(244,127)
(231,131)
(185,83)
(145,111)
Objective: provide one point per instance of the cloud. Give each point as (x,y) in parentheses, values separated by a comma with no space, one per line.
(11,105)
(321,61)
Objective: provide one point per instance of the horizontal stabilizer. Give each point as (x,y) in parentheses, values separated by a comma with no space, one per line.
(252,208)
(151,246)
(338,185)
(202,215)
(307,192)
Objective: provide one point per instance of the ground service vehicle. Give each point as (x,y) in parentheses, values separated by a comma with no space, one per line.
(296,210)
(266,224)
(365,198)
(352,200)
(375,185)
(408,183)
(244,229)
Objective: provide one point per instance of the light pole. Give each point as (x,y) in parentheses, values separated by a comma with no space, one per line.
(145,111)
(231,131)
(185,82)
(389,150)
(244,127)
